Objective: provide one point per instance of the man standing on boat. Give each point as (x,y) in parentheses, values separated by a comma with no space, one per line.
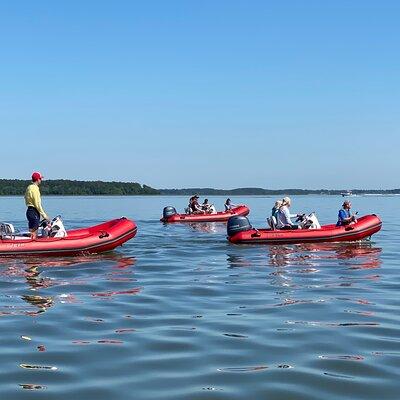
(34,203)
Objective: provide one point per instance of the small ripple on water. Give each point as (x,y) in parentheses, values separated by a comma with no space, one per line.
(235,335)
(333,324)
(47,367)
(31,386)
(243,369)
(125,330)
(109,341)
(343,357)
(340,376)
(117,293)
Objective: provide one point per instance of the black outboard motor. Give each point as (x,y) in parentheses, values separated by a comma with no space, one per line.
(238,224)
(169,212)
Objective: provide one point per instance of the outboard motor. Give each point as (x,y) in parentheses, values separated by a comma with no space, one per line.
(6,230)
(169,212)
(54,228)
(238,224)
(57,227)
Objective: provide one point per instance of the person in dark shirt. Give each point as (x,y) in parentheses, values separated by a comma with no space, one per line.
(229,205)
(345,217)
(194,206)
(206,206)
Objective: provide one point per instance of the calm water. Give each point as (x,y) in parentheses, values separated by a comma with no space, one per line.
(179,313)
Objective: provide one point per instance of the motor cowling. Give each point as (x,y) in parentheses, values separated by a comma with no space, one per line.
(169,212)
(6,229)
(238,224)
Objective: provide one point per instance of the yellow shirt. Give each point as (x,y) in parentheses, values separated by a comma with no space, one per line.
(32,199)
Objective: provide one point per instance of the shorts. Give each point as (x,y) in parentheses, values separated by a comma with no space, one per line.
(33,218)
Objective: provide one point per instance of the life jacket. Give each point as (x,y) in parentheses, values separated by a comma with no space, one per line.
(193,205)
(340,219)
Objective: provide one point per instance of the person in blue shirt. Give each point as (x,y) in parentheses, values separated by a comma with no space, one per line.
(276,208)
(344,216)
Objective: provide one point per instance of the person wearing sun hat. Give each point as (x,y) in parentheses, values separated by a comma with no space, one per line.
(34,203)
(284,215)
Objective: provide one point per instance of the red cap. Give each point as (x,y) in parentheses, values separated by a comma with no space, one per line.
(36,176)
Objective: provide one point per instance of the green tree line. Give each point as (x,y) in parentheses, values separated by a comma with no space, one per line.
(269,192)
(16,187)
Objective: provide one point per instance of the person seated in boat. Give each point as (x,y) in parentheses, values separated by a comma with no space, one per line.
(229,205)
(187,209)
(284,216)
(273,219)
(345,217)
(276,208)
(194,206)
(206,206)
(34,203)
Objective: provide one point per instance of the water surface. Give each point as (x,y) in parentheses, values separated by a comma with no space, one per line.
(179,313)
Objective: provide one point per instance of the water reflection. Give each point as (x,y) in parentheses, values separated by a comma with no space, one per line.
(36,282)
(236,261)
(360,255)
(312,258)
(207,227)
(33,271)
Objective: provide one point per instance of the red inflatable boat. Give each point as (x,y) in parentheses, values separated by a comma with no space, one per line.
(240,231)
(170,215)
(95,239)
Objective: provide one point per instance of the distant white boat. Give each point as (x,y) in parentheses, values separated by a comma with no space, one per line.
(347,193)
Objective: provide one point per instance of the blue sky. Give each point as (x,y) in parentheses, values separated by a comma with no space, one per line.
(211,94)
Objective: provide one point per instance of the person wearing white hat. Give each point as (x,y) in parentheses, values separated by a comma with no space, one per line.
(284,216)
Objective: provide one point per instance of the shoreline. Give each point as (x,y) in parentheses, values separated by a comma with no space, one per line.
(208,194)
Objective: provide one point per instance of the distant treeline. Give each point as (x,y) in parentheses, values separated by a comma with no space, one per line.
(268,192)
(62,187)
(16,187)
